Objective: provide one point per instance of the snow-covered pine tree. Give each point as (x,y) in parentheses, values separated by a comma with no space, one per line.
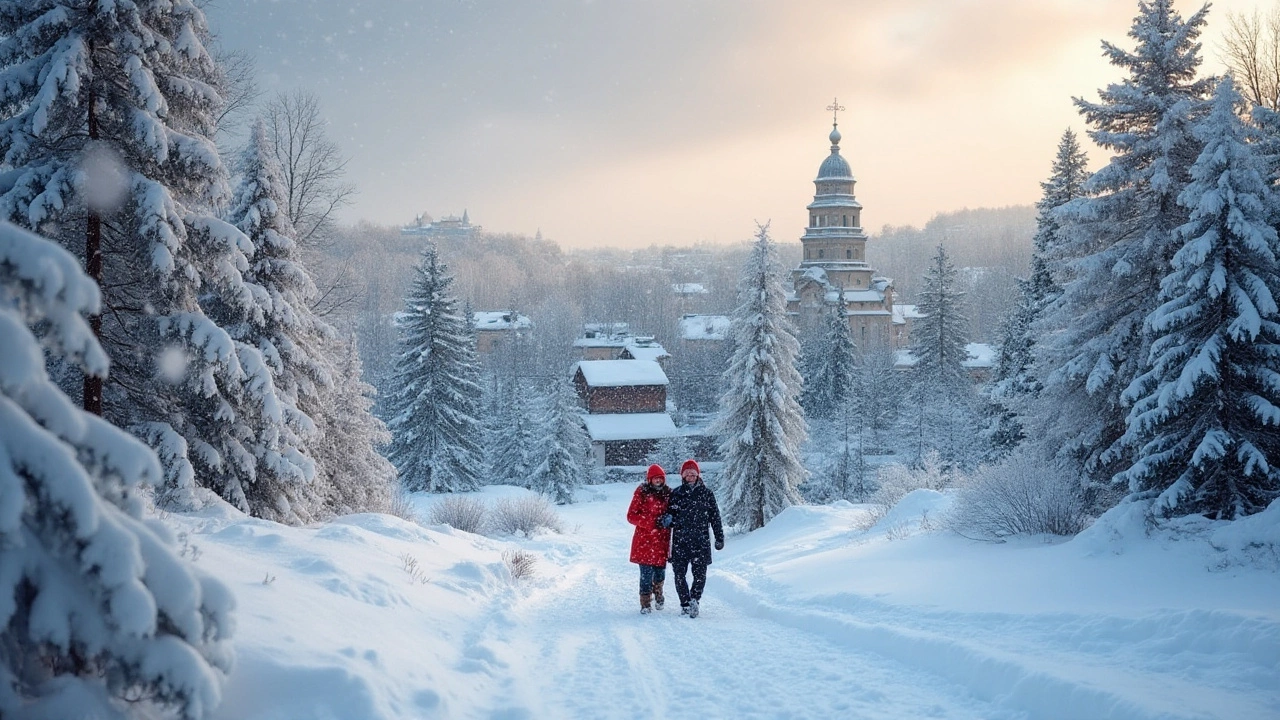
(1013,383)
(512,438)
(107,112)
(564,466)
(941,412)
(1111,260)
(352,473)
(831,370)
(435,435)
(761,425)
(1206,416)
(1013,376)
(290,338)
(100,616)
(879,396)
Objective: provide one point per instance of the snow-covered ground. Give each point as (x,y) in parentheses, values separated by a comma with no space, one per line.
(813,616)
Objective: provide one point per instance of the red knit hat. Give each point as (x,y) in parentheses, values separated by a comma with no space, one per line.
(655,471)
(690,464)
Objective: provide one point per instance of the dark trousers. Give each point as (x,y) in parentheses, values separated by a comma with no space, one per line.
(680,567)
(650,574)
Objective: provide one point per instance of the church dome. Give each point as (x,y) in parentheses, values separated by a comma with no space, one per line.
(835,166)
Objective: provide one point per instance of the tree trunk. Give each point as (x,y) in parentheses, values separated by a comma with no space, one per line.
(93,267)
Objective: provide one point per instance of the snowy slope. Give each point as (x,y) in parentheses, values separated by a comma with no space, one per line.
(808,617)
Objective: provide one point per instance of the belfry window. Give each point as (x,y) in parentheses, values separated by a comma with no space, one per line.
(819,254)
(806,253)
(848,254)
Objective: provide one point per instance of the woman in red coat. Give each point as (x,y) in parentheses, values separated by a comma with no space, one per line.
(650,544)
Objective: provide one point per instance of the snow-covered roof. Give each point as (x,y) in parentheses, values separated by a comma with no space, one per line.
(901,313)
(618,328)
(704,327)
(649,350)
(629,426)
(603,341)
(689,289)
(981,355)
(621,373)
(614,335)
(500,320)
(862,296)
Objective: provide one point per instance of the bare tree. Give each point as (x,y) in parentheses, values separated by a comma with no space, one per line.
(314,167)
(1251,51)
(313,164)
(239,90)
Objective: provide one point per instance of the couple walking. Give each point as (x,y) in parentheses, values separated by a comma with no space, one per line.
(672,524)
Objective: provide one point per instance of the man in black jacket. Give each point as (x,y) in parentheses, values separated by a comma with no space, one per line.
(690,512)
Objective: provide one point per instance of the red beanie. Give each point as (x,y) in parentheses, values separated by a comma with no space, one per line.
(655,471)
(690,464)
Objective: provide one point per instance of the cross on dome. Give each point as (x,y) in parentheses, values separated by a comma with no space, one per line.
(835,107)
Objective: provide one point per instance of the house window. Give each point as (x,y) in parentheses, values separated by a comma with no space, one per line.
(819,254)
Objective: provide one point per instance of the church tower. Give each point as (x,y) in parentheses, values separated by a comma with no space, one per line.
(834,240)
(833,273)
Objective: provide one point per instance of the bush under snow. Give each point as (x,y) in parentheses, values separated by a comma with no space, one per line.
(460,512)
(1024,495)
(526,515)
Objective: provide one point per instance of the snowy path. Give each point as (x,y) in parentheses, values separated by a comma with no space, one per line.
(576,646)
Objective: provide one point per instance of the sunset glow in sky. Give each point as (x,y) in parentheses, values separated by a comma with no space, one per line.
(679,121)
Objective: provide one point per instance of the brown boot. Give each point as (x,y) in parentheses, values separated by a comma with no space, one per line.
(644,604)
(658,600)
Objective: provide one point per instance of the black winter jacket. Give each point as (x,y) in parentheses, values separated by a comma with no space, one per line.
(693,509)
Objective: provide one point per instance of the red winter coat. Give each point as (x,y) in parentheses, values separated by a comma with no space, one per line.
(650,544)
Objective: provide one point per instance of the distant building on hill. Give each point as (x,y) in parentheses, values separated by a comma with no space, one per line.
(495,326)
(602,341)
(449,226)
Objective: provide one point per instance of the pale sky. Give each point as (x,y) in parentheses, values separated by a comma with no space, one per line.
(635,122)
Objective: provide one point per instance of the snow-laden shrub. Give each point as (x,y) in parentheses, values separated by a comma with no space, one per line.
(526,515)
(460,512)
(402,506)
(520,563)
(1024,495)
(895,481)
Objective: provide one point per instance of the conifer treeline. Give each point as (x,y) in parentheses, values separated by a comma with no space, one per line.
(216,359)
(1145,353)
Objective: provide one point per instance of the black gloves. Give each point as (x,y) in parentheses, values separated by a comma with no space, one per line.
(664,521)
(720,543)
